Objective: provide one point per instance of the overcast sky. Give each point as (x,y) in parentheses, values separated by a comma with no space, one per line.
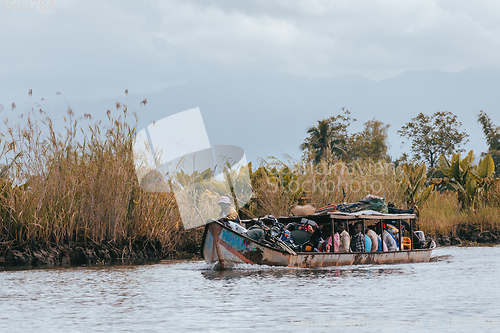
(97,48)
(92,49)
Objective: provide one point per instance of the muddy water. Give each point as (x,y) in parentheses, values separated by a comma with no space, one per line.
(458,291)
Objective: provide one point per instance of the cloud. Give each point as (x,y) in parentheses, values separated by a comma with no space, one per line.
(324,38)
(81,48)
(99,48)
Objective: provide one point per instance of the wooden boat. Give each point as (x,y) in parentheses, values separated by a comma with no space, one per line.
(225,248)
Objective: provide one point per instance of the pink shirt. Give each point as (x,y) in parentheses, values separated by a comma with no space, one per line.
(336,242)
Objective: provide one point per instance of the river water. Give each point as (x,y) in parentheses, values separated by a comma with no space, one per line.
(458,291)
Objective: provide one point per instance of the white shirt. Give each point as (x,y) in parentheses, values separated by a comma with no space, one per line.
(389,241)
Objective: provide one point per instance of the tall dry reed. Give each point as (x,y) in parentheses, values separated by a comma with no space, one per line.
(281,184)
(78,185)
(441,215)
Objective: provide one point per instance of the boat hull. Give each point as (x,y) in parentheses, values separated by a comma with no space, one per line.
(225,248)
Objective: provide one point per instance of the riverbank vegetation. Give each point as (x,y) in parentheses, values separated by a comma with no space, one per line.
(71,196)
(441,210)
(454,194)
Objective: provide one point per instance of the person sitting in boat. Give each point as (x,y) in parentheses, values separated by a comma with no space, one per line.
(345,239)
(368,243)
(381,247)
(389,239)
(229,216)
(405,226)
(374,239)
(358,240)
(316,242)
(336,237)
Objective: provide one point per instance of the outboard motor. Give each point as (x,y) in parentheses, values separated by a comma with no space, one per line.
(418,240)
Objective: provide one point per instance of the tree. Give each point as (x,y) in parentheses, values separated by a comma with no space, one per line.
(320,142)
(434,135)
(328,138)
(492,135)
(371,142)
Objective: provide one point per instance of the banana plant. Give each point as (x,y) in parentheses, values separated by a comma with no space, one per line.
(486,172)
(415,190)
(467,179)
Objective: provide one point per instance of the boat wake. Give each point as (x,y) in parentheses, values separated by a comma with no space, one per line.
(445,257)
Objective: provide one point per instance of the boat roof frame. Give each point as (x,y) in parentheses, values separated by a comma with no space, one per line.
(380,216)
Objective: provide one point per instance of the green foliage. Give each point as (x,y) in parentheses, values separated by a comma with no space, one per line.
(275,189)
(467,179)
(434,135)
(193,178)
(414,183)
(329,141)
(328,138)
(486,167)
(491,132)
(492,135)
(371,143)
(495,155)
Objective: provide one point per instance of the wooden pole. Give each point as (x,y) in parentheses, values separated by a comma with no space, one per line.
(411,234)
(333,236)
(401,247)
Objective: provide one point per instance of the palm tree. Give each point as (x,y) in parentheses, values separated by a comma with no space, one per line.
(322,142)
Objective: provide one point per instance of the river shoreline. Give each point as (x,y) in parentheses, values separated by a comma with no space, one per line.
(35,255)
(467,234)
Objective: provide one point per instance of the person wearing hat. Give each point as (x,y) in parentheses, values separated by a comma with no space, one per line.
(229,216)
(227,210)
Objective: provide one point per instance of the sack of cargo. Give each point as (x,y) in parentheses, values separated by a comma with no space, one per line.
(376,203)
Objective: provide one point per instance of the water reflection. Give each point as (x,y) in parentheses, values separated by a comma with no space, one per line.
(279,273)
(446,258)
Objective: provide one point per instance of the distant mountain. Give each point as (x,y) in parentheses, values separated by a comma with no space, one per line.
(269,113)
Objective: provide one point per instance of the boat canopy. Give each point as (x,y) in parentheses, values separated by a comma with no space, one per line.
(370,215)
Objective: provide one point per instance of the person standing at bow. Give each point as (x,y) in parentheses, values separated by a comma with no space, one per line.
(228,215)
